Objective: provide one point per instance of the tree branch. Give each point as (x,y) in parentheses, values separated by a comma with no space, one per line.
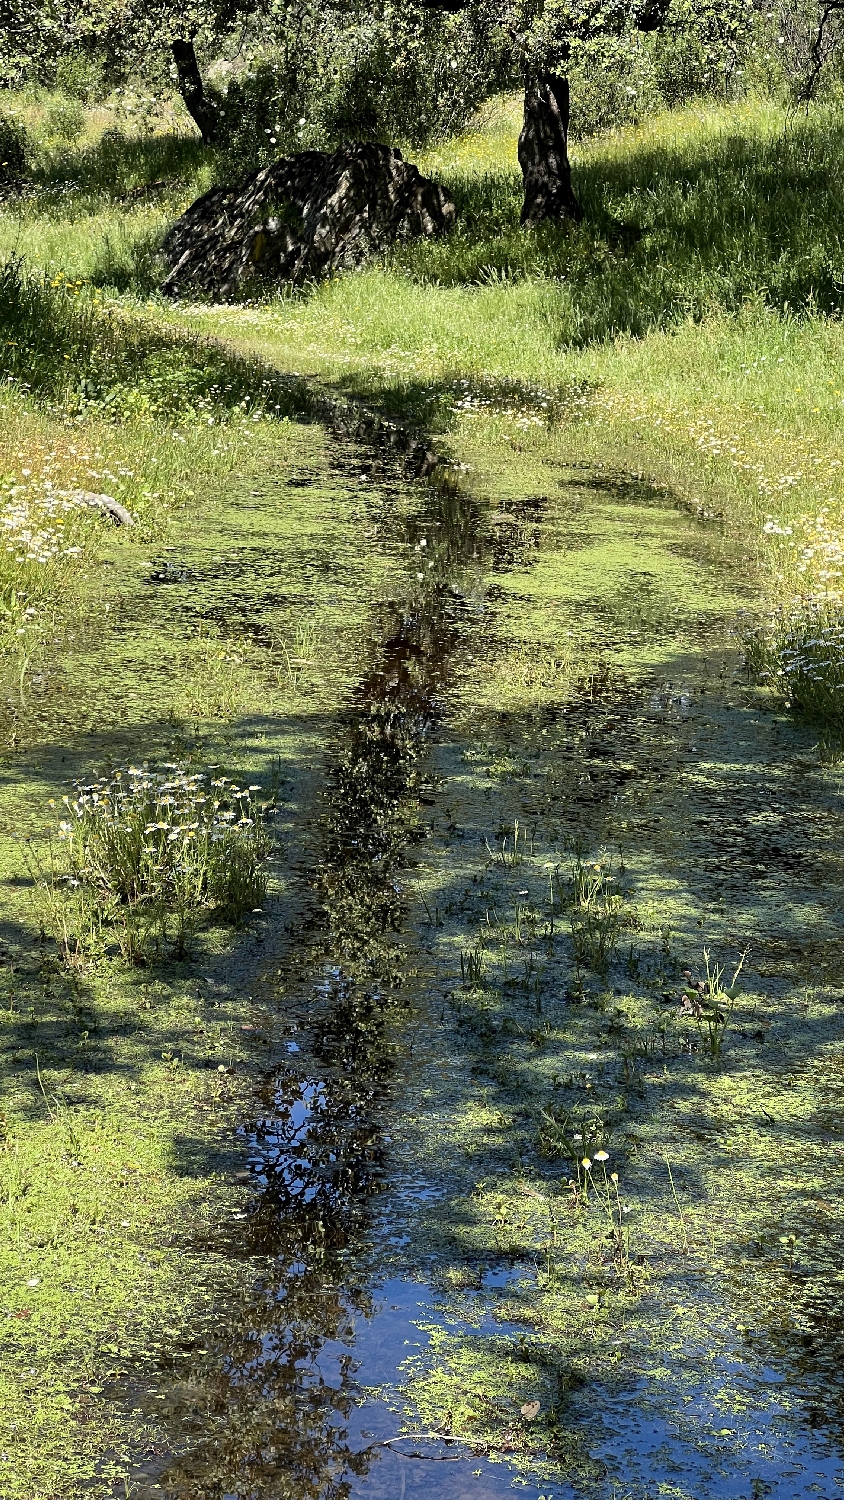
(832,8)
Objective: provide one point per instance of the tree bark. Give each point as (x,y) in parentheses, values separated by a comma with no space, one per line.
(543,152)
(192,90)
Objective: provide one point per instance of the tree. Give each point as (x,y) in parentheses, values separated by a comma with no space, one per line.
(542,36)
(546,38)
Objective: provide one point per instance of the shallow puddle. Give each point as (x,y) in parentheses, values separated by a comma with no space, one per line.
(563,667)
(506,693)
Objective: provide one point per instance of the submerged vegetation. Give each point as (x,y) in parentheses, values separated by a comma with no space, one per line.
(493,988)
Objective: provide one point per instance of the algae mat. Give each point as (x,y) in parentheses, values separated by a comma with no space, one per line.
(526,789)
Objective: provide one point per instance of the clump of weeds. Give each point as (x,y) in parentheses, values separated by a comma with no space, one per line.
(593,1190)
(301,651)
(570,1137)
(596,912)
(512,848)
(799,651)
(710,1003)
(146,852)
(472,966)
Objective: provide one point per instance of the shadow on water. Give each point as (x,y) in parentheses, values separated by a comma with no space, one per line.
(284,1406)
(301,1393)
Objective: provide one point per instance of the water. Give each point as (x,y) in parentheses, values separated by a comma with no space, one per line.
(336,1201)
(556,669)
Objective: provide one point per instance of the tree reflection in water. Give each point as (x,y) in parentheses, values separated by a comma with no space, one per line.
(273,1419)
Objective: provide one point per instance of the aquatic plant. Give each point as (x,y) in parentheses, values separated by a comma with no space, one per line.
(710,1003)
(596,913)
(513,848)
(301,651)
(562,1133)
(608,1194)
(678,1206)
(472,968)
(148,850)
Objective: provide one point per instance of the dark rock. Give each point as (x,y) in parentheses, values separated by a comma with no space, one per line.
(302,217)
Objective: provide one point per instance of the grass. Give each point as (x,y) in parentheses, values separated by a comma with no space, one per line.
(691,322)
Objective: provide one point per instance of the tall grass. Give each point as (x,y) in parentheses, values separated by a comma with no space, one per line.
(61,340)
(692,213)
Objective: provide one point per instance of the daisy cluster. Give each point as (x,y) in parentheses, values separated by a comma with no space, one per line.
(525,406)
(823,554)
(813,648)
(141,833)
(801,653)
(33,523)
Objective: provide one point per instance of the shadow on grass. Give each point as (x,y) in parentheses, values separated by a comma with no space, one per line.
(121,165)
(672,230)
(60,344)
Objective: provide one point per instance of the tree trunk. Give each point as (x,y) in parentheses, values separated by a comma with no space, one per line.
(543,152)
(201,110)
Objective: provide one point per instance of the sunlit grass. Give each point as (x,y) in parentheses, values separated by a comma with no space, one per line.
(689,327)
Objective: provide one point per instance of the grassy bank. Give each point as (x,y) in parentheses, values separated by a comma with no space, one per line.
(664,311)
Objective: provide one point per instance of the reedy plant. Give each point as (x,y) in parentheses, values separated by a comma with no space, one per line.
(148,851)
(596,913)
(710,1003)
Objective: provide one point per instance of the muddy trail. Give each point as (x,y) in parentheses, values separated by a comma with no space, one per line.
(539,1202)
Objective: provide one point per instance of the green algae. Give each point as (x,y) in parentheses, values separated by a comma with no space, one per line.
(232,640)
(719,819)
(579,649)
(670,775)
